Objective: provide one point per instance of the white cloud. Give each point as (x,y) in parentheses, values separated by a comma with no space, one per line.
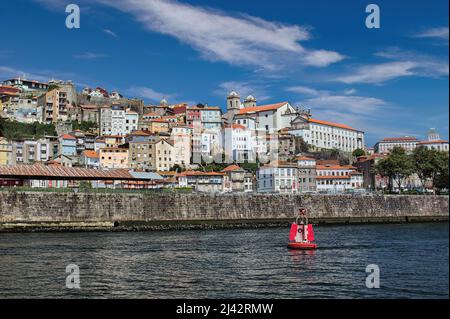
(378,73)
(322,58)
(436,33)
(147,93)
(304,90)
(350,91)
(89,56)
(110,32)
(403,64)
(8,72)
(359,112)
(233,38)
(346,104)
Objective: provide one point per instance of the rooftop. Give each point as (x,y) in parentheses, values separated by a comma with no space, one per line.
(400,139)
(316,121)
(262,108)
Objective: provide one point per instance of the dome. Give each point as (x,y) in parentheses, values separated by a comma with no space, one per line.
(233,94)
(250,98)
(163,102)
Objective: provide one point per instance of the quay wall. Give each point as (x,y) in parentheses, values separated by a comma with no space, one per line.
(39,209)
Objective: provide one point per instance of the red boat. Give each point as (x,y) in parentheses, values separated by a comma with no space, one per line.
(302,246)
(301,235)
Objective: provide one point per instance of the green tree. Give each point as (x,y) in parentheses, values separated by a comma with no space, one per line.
(425,162)
(441,178)
(17,130)
(384,169)
(358,152)
(397,167)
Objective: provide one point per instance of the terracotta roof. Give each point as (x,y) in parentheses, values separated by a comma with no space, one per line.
(37,171)
(400,139)
(305,158)
(238,126)
(140,133)
(432,142)
(68,137)
(197,173)
(331,124)
(152,114)
(91,154)
(159,121)
(335,167)
(179,109)
(232,167)
(262,108)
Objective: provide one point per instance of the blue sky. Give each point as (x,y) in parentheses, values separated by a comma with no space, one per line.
(390,81)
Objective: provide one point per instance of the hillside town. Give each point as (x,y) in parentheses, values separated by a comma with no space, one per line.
(52,136)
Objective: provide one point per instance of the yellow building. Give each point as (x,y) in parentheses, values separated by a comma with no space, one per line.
(5,151)
(113,157)
(163,156)
(54,106)
(157,126)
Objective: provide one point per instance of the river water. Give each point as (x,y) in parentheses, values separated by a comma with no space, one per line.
(412,258)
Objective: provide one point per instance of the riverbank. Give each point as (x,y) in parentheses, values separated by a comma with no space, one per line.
(40,211)
(203,225)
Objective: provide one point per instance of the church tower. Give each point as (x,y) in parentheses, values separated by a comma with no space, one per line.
(233,107)
(233,101)
(250,101)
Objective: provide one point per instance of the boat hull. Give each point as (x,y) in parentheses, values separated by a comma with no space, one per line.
(302,246)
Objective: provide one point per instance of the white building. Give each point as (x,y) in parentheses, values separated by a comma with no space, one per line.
(131,121)
(278,177)
(338,178)
(434,142)
(211,117)
(239,143)
(206,145)
(270,118)
(327,135)
(118,121)
(408,143)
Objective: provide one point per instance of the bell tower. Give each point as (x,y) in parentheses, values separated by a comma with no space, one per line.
(233,101)
(250,101)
